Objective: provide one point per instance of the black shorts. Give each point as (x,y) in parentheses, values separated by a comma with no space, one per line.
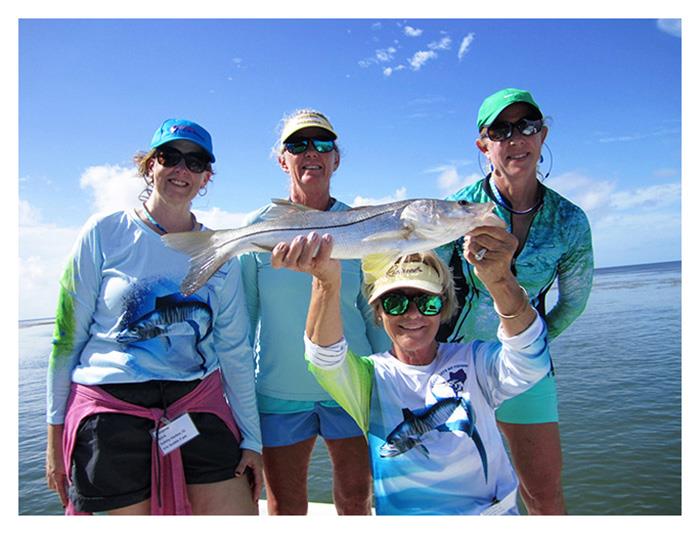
(111,462)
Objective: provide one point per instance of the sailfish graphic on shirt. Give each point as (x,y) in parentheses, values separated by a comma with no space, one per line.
(409,433)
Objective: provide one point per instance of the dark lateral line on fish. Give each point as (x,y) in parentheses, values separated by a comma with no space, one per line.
(267,231)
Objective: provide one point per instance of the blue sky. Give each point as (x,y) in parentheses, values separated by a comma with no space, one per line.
(402,93)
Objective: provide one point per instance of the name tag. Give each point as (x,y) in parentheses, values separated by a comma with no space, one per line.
(175,433)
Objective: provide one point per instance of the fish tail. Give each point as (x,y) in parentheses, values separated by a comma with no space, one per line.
(208,251)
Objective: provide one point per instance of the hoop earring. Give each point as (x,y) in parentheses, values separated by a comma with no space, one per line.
(202,191)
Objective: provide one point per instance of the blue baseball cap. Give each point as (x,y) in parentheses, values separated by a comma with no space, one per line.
(181,129)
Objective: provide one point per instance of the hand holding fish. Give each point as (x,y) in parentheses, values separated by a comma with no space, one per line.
(510,300)
(308,254)
(490,250)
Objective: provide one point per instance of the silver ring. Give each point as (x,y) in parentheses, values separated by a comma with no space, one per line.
(480,255)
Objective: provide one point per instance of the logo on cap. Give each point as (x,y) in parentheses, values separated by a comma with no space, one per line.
(176,128)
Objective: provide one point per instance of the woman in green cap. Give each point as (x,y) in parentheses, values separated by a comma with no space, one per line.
(554,245)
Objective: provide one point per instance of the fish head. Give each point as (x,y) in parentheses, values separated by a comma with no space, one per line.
(442,221)
(403,438)
(138,332)
(393,446)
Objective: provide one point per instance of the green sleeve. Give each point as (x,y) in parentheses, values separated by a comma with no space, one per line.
(350,385)
(575,278)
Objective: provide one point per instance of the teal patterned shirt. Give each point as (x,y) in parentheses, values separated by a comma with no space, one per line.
(558,248)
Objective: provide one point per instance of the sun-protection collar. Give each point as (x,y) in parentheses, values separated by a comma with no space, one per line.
(183,130)
(306,119)
(414,274)
(492,105)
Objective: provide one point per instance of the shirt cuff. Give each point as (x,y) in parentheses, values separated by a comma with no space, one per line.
(525,338)
(326,357)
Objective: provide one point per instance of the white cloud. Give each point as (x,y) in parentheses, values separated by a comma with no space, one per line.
(670,26)
(464,47)
(377,26)
(442,44)
(387,71)
(385,54)
(449,180)
(113,187)
(626,223)
(218,219)
(655,196)
(45,248)
(399,194)
(412,32)
(43,252)
(420,58)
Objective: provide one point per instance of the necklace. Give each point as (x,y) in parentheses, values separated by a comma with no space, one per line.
(499,200)
(155,223)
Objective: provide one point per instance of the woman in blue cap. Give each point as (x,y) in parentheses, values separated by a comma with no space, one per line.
(554,246)
(151,404)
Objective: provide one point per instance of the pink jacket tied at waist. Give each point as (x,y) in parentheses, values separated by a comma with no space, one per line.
(208,397)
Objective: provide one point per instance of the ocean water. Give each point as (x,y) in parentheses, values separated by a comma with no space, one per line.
(619,378)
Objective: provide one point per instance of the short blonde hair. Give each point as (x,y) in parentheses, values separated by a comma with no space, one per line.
(449,308)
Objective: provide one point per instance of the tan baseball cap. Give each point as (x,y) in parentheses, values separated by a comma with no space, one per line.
(306,119)
(415,274)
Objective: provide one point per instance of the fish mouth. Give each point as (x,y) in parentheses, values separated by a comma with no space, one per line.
(388,451)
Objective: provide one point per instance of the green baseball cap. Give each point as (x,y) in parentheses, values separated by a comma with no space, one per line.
(492,105)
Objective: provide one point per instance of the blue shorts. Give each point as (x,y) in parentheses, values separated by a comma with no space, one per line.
(537,405)
(281,429)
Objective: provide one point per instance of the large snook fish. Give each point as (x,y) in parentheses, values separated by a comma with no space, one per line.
(392,230)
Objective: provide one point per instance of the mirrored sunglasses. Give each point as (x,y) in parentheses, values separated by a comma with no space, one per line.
(397,303)
(299,146)
(502,130)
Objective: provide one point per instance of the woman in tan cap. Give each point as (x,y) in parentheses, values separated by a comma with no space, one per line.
(426,408)
(294,409)
(554,244)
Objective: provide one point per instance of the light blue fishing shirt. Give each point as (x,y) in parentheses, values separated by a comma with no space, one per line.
(278,300)
(440,417)
(558,248)
(122,319)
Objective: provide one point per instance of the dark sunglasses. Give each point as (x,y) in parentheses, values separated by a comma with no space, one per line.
(169,157)
(398,303)
(502,130)
(300,146)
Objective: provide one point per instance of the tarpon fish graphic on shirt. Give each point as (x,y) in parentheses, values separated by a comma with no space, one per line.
(171,316)
(408,434)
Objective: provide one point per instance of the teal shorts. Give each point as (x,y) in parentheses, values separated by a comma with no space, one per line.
(537,405)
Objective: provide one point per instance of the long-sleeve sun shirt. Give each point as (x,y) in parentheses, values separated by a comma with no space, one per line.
(278,300)
(558,248)
(122,319)
(434,445)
